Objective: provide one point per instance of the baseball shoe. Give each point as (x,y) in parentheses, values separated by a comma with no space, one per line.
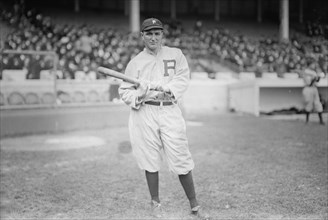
(156,209)
(199,213)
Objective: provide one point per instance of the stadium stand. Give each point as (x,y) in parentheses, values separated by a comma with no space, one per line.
(78,97)
(48,98)
(32,98)
(2,99)
(93,96)
(16,98)
(81,48)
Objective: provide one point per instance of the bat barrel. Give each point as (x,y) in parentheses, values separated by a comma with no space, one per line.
(118,75)
(103,70)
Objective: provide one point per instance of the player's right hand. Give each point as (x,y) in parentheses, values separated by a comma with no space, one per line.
(142,89)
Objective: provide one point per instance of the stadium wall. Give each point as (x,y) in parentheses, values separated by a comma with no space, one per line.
(265,96)
(76,111)
(17,94)
(61,119)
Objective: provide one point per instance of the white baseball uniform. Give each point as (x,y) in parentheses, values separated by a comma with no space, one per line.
(310,92)
(156,128)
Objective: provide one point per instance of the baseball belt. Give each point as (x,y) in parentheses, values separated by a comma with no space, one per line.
(160,103)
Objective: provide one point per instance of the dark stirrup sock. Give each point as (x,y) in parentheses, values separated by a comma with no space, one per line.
(152,181)
(320,118)
(307,117)
(188,186)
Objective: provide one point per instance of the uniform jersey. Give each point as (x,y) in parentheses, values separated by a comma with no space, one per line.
(310,92)
(158,130)
(169,67)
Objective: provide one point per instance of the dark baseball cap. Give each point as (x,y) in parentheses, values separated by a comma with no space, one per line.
(151,23)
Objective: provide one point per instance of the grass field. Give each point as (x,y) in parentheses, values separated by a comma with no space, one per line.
(246,168)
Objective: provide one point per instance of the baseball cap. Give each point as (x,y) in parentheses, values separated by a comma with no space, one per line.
(151,23)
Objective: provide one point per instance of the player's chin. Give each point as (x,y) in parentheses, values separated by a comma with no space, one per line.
(153,45)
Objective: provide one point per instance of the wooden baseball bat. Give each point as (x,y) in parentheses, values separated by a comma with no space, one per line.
(118,75)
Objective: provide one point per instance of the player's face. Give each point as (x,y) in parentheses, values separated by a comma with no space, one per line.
(152,39)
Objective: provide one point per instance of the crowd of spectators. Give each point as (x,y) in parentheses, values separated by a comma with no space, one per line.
(79,48)
(82,48)
(249,55)
(315,29)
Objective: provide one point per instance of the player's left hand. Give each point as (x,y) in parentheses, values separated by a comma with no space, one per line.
(158,86)
(163,88)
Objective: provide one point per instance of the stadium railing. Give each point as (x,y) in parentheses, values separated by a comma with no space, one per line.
(18,91)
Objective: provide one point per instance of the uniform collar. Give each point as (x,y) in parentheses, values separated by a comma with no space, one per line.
(152,53)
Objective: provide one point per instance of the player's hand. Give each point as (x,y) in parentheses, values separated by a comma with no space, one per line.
(158,86)
(142,90)
(163,88)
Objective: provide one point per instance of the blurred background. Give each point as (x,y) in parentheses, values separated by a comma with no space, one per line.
(244,55)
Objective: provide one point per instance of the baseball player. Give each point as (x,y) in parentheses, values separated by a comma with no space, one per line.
(156,125)
(311,94)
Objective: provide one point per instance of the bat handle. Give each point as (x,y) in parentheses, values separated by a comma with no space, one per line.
(137,84)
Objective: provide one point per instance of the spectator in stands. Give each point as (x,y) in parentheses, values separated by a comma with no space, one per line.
(85,42)
(34,67)
(112,48)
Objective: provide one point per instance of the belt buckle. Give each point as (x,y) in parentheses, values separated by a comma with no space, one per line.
(161,103)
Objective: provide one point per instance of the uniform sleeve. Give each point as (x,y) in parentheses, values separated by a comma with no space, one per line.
(180,81)
(128,91)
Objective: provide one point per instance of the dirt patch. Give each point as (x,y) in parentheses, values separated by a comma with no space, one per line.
(125,147)
(50,143)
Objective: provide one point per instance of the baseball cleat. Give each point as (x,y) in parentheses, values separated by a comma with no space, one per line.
(199,213)
(156,209)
